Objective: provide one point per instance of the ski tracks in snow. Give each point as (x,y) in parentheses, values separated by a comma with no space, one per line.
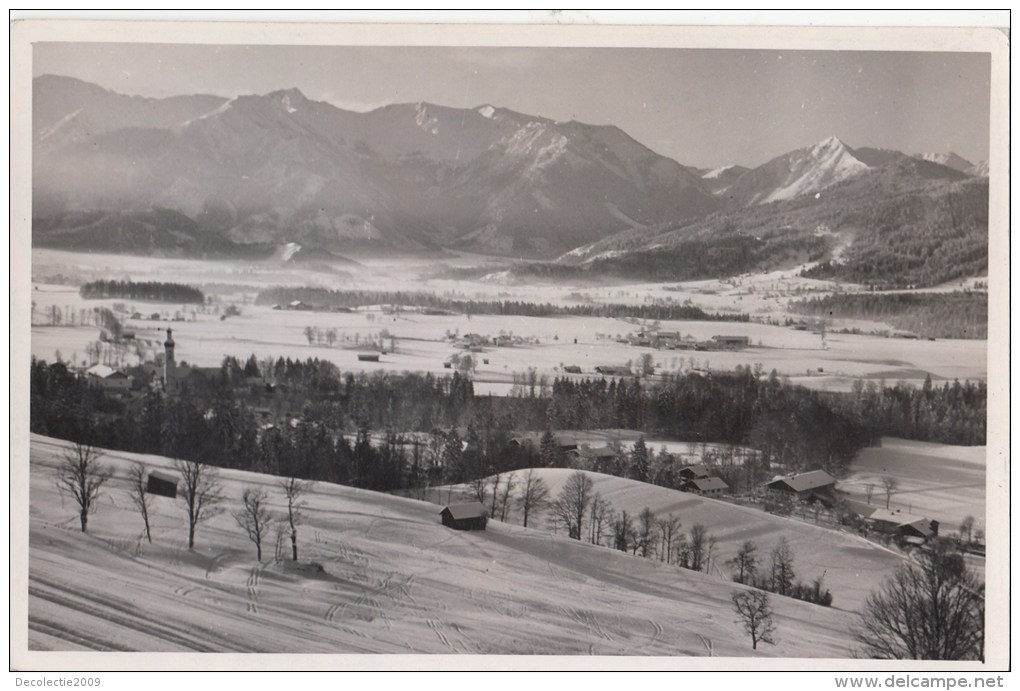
(446,637)
(254,579)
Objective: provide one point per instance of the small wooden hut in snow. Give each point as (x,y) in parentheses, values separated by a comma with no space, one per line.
(466,516)
(162,483)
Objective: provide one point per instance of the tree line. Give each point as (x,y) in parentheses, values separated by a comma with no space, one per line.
(723,253)
(959,314)
(389,431)
(322,298)
(152,291)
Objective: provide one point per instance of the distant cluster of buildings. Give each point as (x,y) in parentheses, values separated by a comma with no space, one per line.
(673,340)
(477,342)
(170,378)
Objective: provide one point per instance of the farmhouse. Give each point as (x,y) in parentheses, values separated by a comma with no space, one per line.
(613,370)
(707,486)
(812,484)
(695,472)
(732,341)
(921,528)
(564,442)
(572,369)
(598,459)
(467,516)
(162,483)
(108,378)
(905,526)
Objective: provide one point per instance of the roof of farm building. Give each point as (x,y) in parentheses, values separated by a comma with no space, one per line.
(803,482)
(708,484)
(471,509)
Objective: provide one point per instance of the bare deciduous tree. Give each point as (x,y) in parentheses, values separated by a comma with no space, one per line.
(967,528)
(139,495)
(494,508)
(646,525)
(668,529)
(573,502)
(933,609)
(293,489)
(533,497)
(869,491)
(82,475)
(889,484)
(508,487)
(254,518)
(478,489)
(710,544)
(698,545)
(200,491)
(756,614)
(601,517)
(745,562)
(781,567)
(623,532)
(683,552)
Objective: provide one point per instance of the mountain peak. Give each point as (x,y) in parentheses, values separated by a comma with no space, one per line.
(289,99)
(829,144)
(950,160)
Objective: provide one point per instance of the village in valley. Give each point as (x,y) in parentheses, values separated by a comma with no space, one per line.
(446,380)
(808,494)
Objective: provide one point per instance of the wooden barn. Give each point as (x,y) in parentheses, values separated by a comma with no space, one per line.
(466,516)
(732,341)
(812,484)
(162,483)
(368,357)
(707,486)
(695,472)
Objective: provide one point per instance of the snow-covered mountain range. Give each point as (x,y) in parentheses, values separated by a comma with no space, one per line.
(204,173)
(282,168)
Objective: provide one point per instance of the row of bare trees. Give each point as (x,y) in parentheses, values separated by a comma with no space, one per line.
(931,608)
(82,475)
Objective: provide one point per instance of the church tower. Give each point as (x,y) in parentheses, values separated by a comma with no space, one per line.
(169,366)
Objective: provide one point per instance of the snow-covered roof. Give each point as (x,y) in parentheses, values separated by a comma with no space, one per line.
(471,509)
(802,482)
(597,452)
(708,484)
(697,470)
(165,476)
(103,371)
(886,516)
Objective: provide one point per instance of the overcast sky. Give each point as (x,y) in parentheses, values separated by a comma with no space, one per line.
(701,107)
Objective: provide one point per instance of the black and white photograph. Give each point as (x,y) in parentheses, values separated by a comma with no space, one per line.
(587,342)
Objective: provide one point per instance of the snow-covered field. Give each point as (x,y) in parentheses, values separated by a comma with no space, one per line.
(936,481)
(852,566)
(421,343)
(392,580)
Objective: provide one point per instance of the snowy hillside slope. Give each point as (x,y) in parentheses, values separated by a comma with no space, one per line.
(392,580)
(853,567)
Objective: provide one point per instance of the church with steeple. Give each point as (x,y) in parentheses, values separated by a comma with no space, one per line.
(170,384)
